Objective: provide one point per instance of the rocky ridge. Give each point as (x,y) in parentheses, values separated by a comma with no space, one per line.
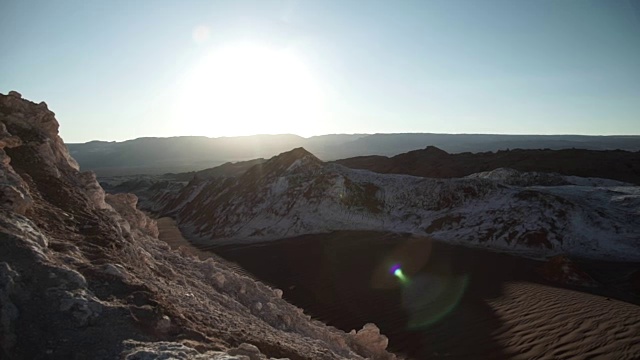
(531,214)
(84,273)
(436,163)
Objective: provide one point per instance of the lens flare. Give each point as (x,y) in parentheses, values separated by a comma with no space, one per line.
(396,270)
(431,284)
(410,255)
(429,297)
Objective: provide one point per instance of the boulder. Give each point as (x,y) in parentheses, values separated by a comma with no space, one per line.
(370,343)
(248,350)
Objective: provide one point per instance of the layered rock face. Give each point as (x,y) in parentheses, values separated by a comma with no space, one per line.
(83,275)
(531,214)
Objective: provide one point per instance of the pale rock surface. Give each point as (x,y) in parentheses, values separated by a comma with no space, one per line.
(125,205)
(369,338)
(94,190)
(173,351)
(250,351)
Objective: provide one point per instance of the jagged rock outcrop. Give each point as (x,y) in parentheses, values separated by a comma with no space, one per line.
(15,195)
(530,214)
(370,340)
(85,275)
(125,205)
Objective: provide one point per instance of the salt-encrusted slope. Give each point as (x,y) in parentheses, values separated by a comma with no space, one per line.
(531,214)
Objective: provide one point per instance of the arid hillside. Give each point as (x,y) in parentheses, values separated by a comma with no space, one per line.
(531,214)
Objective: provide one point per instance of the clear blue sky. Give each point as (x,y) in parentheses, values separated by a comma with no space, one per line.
(115,70)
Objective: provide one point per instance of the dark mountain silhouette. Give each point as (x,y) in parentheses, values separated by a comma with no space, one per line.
(433,162)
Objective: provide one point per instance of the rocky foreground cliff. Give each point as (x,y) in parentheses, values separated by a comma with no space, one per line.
(83,275)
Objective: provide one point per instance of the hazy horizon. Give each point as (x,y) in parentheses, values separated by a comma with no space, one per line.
(345,134)
(123,70)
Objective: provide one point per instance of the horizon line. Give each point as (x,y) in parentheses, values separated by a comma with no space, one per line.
(347,134)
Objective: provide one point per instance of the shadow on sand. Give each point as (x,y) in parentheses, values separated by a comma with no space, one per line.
(435,307)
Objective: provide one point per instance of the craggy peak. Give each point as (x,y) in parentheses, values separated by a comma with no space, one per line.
(293,155)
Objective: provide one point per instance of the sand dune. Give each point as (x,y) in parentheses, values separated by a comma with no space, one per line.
(544,322)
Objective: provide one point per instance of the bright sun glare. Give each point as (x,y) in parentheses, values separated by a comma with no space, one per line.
(250,89)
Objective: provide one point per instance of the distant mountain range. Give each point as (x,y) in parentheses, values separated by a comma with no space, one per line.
(192,153)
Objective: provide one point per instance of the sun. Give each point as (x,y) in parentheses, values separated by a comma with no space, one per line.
(247,89)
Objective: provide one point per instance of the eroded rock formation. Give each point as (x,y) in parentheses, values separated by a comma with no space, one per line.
(82,275)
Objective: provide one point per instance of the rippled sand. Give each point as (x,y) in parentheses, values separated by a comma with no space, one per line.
(543,322)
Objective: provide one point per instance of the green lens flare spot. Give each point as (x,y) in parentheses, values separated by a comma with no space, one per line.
(400,275)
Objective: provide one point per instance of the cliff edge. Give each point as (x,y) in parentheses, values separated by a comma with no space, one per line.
(84,273)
